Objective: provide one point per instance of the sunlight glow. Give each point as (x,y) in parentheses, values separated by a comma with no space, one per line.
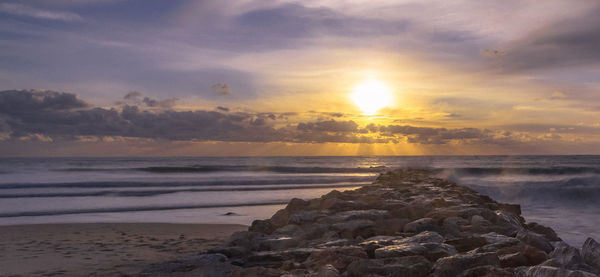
(371,96)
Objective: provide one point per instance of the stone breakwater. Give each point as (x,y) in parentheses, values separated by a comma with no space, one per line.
(407,223)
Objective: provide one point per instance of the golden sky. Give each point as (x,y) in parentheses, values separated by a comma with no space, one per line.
(246,77)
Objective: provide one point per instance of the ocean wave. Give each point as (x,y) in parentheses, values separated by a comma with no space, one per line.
(139,209)
(572,191)
(478,171)
(258,182)
(227,168)
(145,193)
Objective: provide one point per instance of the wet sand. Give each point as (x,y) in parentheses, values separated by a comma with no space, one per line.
(101,249)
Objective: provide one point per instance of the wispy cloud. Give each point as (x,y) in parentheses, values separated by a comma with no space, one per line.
(23,10)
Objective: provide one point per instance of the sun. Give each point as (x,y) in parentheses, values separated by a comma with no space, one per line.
(371,96)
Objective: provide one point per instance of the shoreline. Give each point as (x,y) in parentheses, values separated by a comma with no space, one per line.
(407,223)
(102,249)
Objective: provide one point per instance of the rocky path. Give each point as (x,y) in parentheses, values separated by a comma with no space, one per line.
(406,223)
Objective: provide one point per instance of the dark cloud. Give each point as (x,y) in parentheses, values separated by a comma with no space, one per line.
(221,89)
(570,42)
(329,126)
(429,135)
(133,95)
(48,116)
(23,101)
(166,103)
(223,109)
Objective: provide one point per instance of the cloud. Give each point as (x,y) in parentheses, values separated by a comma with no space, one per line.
(329,126)
(166,103)
(133,95)
(223,109)
(58,116)
(221,89)
(23,10)
(22,101)
(573,41)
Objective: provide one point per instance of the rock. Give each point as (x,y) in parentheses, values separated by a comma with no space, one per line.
(243,239)
(591,252)
(480,224)
(514,260)
(416,266)
(372,243)
(353,228)
(390,226)
(535,240)
(415,225)
(454,265)
(423,237)
(277,243)
(412,212)
(438,250)
(326,271)
(279,219)
(296,205)
(277,258)
(287,230)
(511,208)
(306,216)
(500,240)
(453,225)
(468,243)
(420,225)
(338,257)
(372,215)
(262,226)
(566,255)
(255,272)
(312,231)
(400,250)
(507,224)
(534,256)
(230,251)
(486,271)
(208,265)
(548,271)
(547,232)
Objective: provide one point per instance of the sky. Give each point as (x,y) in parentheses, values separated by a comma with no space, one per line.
(260,77)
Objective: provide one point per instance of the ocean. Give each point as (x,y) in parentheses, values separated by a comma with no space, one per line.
(562,192)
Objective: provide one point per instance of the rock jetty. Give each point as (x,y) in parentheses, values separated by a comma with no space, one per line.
(407,223)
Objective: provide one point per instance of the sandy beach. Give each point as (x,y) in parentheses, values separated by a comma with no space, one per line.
(101,249)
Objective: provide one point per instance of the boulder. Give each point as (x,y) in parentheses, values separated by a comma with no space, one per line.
(548,271)
(486,271)
(400,250)
(277,243)
(536,240)
(338,257)
(566,256)
(305,217)
(467,243)
(547,232)
(423,237)
(420,225)
(454,265)
(353,228)
(591,252)
(254,272)
(416,266)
